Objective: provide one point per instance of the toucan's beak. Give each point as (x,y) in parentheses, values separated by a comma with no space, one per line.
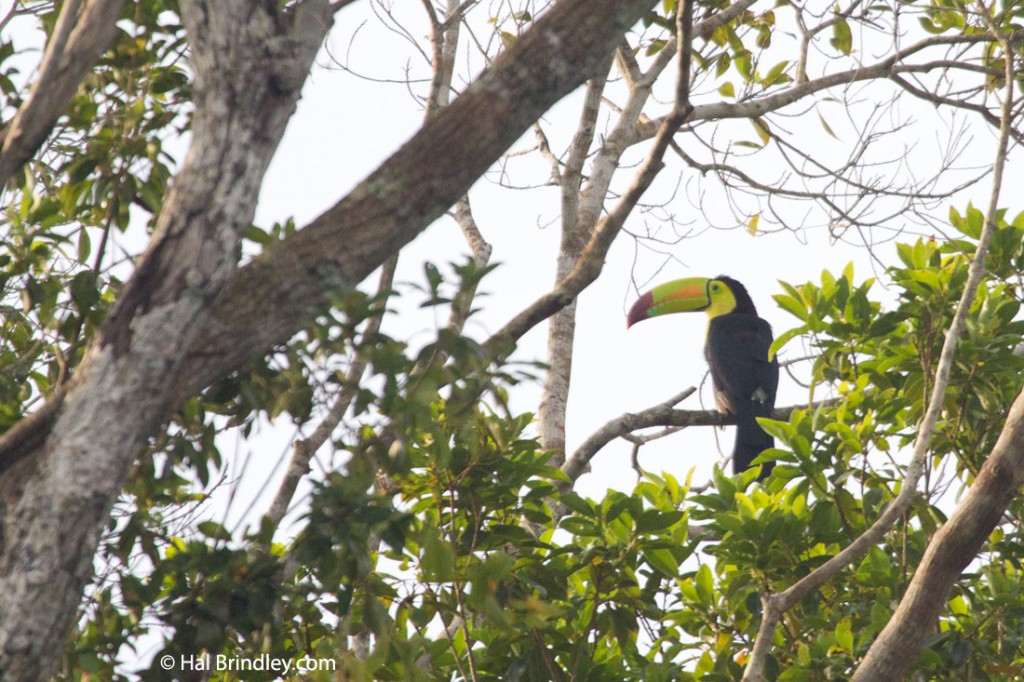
(677,296)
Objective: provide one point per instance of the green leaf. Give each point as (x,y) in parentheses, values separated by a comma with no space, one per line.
(762,129)
(663,560)
(776,75)
(655,47)
(744,65)
(577,504)
(825,125)
(84,245)
(844,635)
(83,290)
(704,581)
(722,64)
(842,37)
(786,337)
(653,520)
(213,530)
(752,224)
(931,27)
(436,561)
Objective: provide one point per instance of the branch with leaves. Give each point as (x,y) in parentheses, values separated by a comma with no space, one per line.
(961,538)
(83,31)
(662,414)
(896,647)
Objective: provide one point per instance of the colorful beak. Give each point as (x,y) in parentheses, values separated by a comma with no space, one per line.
(677,296)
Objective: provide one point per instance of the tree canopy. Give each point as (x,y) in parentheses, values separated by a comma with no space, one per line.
(426,521)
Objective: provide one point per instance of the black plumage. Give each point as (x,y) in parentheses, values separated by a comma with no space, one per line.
(745,380)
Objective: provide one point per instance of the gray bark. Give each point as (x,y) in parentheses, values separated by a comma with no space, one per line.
(248,74)
(551,416)
(954,546)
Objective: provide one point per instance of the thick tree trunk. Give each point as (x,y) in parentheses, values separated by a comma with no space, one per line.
(248,78)
(189,315)
(954,547)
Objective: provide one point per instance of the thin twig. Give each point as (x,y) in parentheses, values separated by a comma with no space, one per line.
(304,449)
(591,262)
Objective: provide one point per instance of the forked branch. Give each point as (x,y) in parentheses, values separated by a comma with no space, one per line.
(591,262)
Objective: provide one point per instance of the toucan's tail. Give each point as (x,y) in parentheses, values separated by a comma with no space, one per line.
(751,440)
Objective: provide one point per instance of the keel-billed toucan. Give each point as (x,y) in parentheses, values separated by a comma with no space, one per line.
(745,379)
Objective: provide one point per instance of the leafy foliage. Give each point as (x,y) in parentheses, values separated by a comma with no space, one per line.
(444,545)
(106,159)
(448,547)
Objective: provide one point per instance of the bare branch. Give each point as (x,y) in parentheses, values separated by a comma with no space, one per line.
(621,426)
(457,11)
(882,69)
(11,14)
(591,261)
(662,414)
(544,147)
(577,225)
(444,39)
(939,100)
(481,251)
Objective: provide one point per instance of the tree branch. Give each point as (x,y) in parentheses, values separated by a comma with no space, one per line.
(83,31)
(591,260)
(882,69)
(662,414)
(959,540)
(775,605)
(417,184)
(284,288)
(577,226)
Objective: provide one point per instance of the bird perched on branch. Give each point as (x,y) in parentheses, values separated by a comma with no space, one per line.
(745,377)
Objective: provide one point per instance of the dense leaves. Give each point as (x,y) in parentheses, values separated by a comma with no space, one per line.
(447,547)
(105,170)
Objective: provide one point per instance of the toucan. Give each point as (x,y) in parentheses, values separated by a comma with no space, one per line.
(744,374)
